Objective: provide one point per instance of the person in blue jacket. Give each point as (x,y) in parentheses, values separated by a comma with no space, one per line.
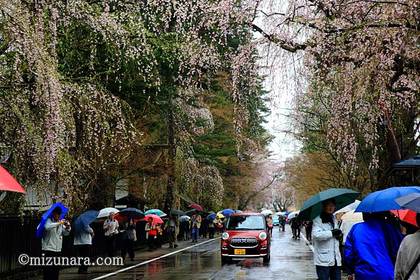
(371,248)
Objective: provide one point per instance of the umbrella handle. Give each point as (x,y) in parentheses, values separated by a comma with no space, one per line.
(2,195)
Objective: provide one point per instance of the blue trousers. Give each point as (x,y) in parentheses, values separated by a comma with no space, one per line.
(194,234)
(328,272)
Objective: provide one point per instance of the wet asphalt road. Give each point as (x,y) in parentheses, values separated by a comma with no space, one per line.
(290,260)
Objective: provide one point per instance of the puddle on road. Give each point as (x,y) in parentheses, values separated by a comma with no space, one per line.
(289,260)
(249,263)
(293,258)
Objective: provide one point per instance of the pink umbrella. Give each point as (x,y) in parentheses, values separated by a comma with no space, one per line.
(8,183)
(156,219)
(196,207)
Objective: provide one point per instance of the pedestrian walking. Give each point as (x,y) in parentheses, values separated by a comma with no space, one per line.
(282,223)
(151,231)
(159,236)
(308,230)
(204,229)
(371,248)
(295,225)
(171,228)
(129,237)
(407,266)
(111,231)
(185,230)
(326,236)
(83,244)
(52,241)
(219,225)
(195,227)
(269,221)
(212,229)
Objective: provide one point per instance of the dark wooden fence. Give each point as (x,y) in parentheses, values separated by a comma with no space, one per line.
(17,236)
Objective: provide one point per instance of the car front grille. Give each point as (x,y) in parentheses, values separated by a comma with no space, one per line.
(244,242)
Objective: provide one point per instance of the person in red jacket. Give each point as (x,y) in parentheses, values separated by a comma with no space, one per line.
(151,234)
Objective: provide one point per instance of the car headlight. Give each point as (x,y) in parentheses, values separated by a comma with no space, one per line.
(262,235)
(225,236)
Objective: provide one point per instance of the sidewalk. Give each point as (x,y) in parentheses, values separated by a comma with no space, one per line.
(142,255)
(344,275)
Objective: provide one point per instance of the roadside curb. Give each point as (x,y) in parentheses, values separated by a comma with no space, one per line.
(154,259)
(307,242)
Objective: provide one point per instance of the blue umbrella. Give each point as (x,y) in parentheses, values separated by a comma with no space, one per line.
(227,212)
(413,162)
(211,216)
(48,214)
(384,200)
(85,219)
(411,201)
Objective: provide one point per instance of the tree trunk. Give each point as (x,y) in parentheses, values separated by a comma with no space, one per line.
(103,193)
(171,160)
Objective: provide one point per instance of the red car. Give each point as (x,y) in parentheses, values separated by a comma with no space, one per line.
(246,236)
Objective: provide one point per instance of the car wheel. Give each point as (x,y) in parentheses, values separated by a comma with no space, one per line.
(266,259)
(226,260)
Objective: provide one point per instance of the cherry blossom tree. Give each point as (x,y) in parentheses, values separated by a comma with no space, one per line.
(74,75)
(363,57)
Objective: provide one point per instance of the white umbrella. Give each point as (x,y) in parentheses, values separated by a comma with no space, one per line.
(267,212)
(352,216)
(348,208)
(293,215)
(104,213)
(348,220)
(184,218)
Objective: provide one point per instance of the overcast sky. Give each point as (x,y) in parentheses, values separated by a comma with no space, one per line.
(280,68)
(281,95)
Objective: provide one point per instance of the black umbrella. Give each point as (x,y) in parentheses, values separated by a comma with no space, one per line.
(132,213)
(191,212)
(177,212)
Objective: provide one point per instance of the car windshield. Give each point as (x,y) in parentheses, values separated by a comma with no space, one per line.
(246,223)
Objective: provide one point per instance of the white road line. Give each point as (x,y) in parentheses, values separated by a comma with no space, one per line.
(152,260)
(307,242)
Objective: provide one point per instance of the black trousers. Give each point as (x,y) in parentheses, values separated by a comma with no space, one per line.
(328,272)
(51,272)
(127,247)
(211,232)
(83,251)
(152,241)
(110,244)
(170,233)
(296,232)
(308,233)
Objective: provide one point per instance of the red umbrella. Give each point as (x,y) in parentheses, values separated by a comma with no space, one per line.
(196,207)
(123,218)
(8,183)
(156,219)
(407,216)
(120,218)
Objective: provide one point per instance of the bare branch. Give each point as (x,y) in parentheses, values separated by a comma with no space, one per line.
(288,46)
